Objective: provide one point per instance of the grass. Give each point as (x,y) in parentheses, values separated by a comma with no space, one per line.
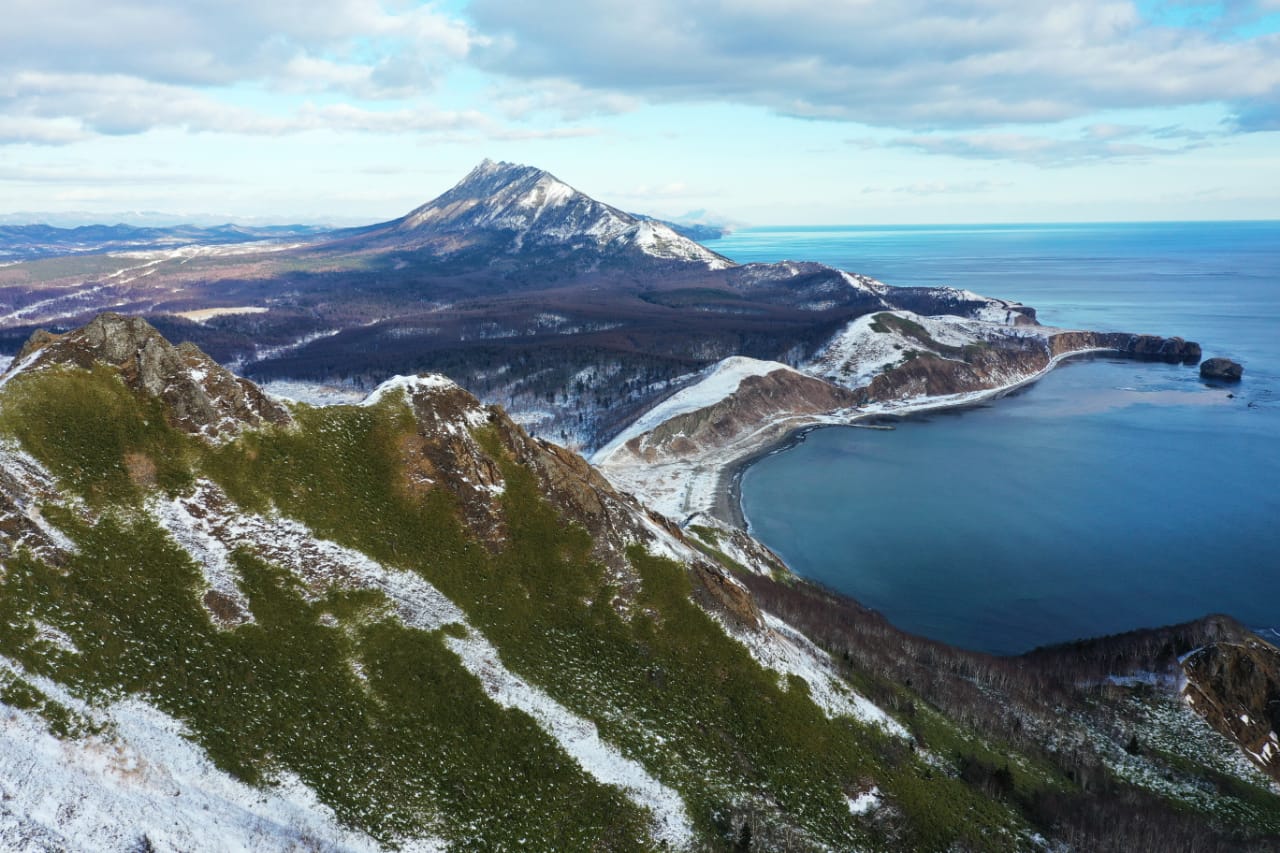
(97,436)
(381,720)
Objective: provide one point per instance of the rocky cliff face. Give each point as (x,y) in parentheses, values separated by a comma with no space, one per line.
(200,396)
(1173,350)
(757,400)
(1235,685)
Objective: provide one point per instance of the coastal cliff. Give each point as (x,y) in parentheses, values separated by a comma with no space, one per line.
(684,456)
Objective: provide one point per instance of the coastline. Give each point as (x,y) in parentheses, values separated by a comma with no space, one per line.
(727,500)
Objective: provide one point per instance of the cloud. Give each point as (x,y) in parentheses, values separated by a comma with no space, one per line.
(564,98)
(347,44)
(929,188)
(72,69)
(18,130)
(915,64)
(1099,142)
(56,109)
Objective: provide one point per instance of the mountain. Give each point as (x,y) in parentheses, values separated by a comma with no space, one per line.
(577,317)
(694,230)
(230,622)
(29,242)
(505,213)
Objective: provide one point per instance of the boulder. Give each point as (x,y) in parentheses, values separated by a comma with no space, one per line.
(1223,369)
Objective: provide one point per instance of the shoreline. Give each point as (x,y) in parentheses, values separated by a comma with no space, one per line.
(727,501)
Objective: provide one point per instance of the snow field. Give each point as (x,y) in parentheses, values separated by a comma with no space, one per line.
(95,793)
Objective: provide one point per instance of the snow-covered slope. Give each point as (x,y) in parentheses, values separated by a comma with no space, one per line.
(142,784)
(873,343)
(535,209)
(676,455)
(718,382)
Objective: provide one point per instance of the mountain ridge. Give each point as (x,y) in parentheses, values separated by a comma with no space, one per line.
(519,210)
(362,612)
(521,287)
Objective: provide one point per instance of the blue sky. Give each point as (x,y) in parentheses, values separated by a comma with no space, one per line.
(759,111)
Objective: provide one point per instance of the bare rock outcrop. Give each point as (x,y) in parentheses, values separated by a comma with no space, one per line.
(200,396)
(1235,686)
(1221,369)
(461,445)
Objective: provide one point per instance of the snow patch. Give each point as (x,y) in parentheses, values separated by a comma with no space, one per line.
(145,778)
(578,737)
(418,604)
(13,371)
(30,485)
(407,385)
(185,520)
(311,393)
(788,652)
(718,382)
(865,802)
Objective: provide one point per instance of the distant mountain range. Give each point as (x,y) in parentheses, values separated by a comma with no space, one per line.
(23,237)
(28,242)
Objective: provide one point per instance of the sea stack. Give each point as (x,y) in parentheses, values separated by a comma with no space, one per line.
(1222,369)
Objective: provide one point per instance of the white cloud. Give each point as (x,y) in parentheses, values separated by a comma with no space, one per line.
(914,64)
(1099,142)
(562,97)
(209,43)
(39,131)
(53,109)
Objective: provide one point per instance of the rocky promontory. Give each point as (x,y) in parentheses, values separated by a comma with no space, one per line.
(684,460)
(201,396)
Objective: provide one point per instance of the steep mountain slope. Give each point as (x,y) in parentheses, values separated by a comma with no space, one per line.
(505,209)
(408,624)
(384,605)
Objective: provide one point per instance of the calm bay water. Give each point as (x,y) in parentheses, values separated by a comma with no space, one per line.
(1109,496)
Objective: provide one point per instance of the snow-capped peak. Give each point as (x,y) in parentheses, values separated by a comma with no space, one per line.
(539,209)
(403,384)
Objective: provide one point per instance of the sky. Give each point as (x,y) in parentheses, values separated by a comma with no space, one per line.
(753,112)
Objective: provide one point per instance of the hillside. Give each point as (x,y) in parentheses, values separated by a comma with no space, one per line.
(230,622)
(683,456)
(574,315)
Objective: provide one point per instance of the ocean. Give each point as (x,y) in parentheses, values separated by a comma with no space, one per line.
(1109,496)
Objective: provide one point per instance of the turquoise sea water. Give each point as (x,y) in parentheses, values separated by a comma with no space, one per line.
(1109,496)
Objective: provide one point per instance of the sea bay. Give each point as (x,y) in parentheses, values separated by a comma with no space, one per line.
(1111,495)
